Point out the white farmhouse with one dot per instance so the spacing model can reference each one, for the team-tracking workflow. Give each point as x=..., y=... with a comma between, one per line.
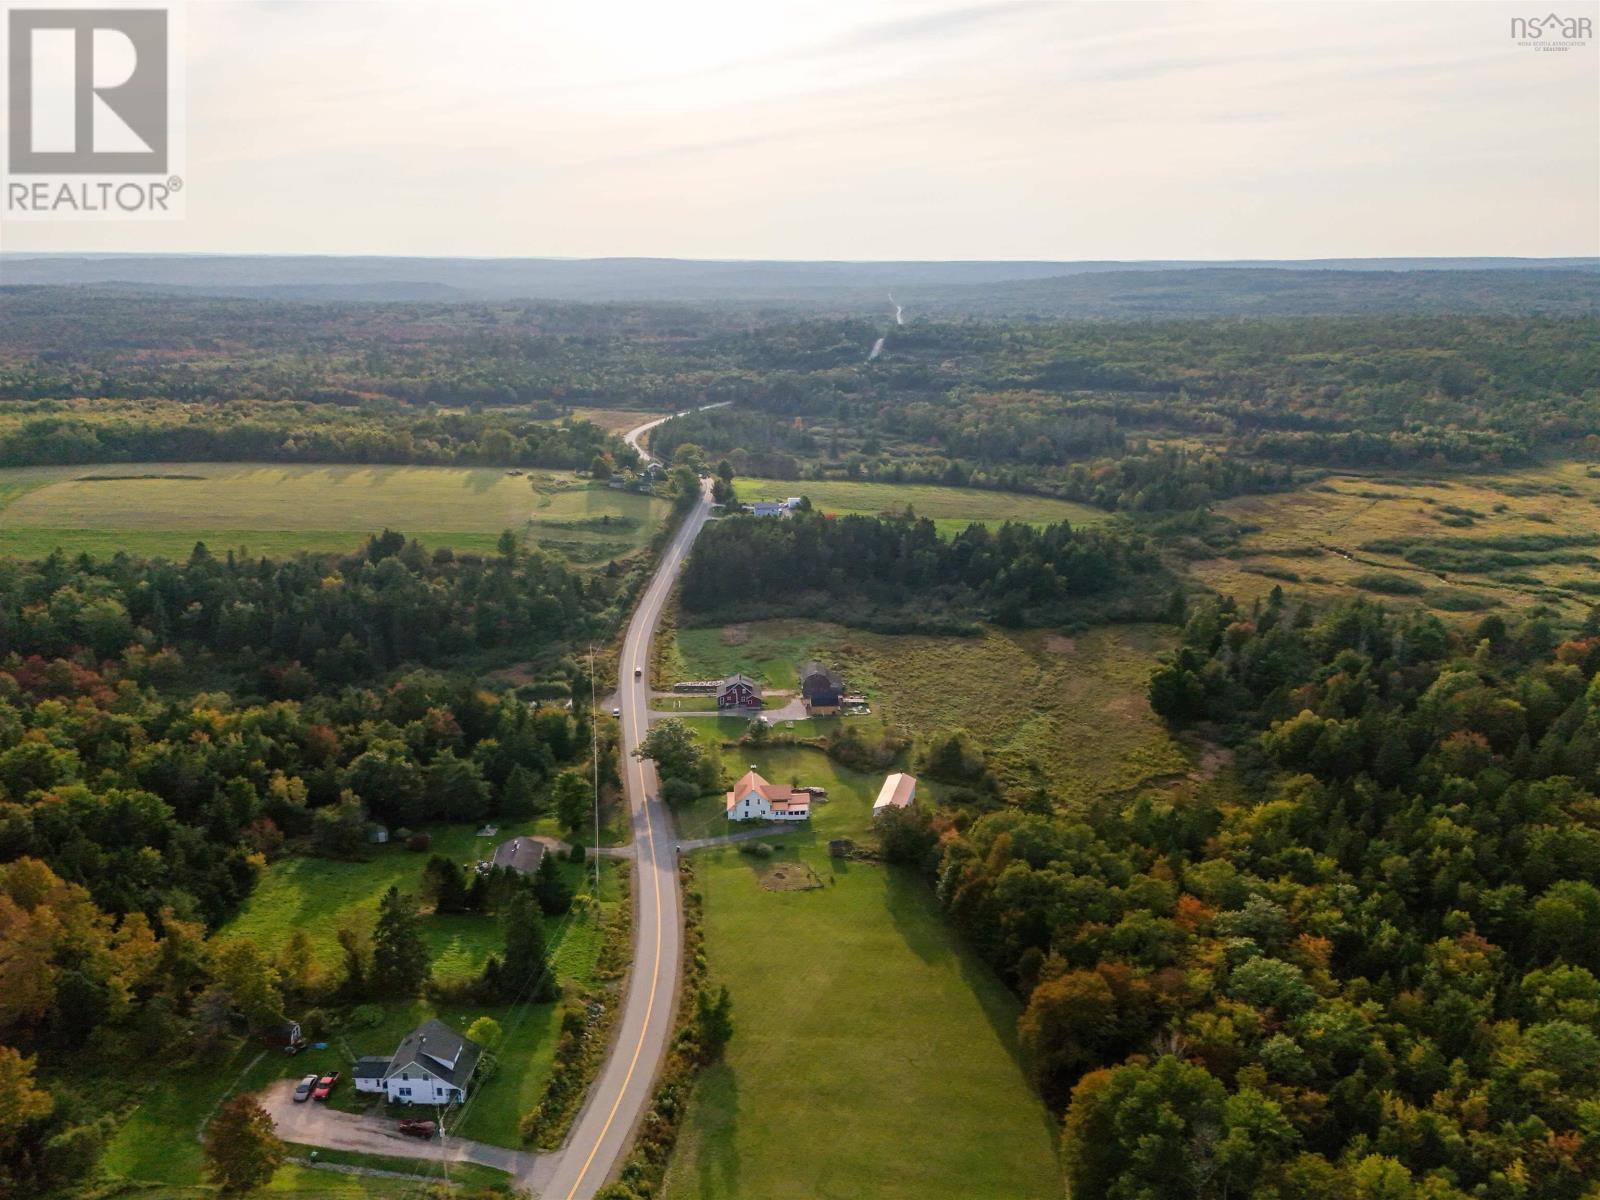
x=754, y=799
x=433, y=1065
x=898, y=791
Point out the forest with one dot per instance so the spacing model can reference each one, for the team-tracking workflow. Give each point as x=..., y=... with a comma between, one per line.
x=167, y=728
x=897, y=575
x=1370, y=971
x=1161, y=417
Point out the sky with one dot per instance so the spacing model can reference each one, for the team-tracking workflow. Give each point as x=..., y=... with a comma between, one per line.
x=876, y=129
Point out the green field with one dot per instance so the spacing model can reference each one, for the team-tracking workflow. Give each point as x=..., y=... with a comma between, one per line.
x=951, y=509
x=1070, y=713
x=164, y=508
x=873, y=1055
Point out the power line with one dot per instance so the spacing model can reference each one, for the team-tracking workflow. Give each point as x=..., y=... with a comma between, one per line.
x=594, y=750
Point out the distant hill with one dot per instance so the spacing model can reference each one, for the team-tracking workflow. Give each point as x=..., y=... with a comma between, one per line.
x=1045, y=289
x=1254, y=291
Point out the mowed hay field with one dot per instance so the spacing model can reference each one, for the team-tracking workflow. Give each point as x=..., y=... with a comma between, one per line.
x=873, y=1055
x=1461, y=544
x=164, y=508
x=951, y=509
x=1070, y=713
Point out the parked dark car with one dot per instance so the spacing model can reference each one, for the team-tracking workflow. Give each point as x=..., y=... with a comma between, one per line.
x=303, y=1089
x=325, y=1085
x=419, y=1129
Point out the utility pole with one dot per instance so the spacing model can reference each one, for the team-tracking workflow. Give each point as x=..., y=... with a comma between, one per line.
x=594, y=751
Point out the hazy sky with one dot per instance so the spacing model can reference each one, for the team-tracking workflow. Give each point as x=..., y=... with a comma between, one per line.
x=872, y=129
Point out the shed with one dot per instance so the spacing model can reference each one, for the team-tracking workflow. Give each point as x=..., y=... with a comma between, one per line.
x=898, y=791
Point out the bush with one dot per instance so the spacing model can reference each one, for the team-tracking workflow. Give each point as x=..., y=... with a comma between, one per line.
x=1387, y=584
x=677, y=792
x=365, y=1016
x=756, y=849
x=1453, y=600
x=418, y=842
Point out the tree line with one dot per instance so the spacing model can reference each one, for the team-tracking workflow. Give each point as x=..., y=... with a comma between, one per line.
x=897, y=573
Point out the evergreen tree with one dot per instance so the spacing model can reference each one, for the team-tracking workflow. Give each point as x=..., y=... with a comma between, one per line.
x=574, y=796
x=520, y=796
x=552, y=891
x=442, y=880
x=526, y=972
x=400, y=959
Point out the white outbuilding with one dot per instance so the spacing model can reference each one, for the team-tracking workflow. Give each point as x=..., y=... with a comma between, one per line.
x=898, y=791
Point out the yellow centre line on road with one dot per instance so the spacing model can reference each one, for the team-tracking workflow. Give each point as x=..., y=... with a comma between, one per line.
x=655, y=975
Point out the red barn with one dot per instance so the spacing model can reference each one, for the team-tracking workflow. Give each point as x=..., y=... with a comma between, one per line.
x=738, y=691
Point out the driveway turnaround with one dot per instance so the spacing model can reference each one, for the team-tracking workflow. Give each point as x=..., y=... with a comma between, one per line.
x=313, y=1124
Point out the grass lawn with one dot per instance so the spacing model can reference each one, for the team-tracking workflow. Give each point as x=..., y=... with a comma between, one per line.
x=951, y=509
x=1314, y=540
x=433, y=1172
x=319, y=895
x=846, y=813
x=1070, y=712
x=492, y=1109
x=164, y=508
x=872, y=1054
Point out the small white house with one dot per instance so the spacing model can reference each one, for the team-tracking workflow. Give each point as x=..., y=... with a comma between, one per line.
x=433, y=1065
x=898, y=791
x=775, y=508
x=754, y=799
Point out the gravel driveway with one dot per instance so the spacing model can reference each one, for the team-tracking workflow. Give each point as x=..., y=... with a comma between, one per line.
x=313, y=1124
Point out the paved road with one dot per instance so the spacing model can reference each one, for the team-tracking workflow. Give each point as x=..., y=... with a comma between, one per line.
x=604, y=1127
x=633, y=435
